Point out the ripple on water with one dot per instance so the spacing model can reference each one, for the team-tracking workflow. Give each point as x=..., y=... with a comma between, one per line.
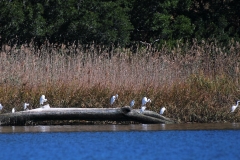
x=114, y=143
x=182, y=141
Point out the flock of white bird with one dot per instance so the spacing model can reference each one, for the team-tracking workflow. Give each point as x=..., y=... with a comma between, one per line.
x=145, y=100
x=25, y=105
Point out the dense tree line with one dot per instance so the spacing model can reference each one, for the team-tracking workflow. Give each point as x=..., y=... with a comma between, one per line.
x=118, y=22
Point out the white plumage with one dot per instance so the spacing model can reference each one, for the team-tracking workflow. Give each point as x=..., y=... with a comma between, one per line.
x=145, y=100
x=47, y=106
x=162, y=110
x=1, y=107
x=234, y=107
x=42, y=99
x=13, y=110
x=132, y=103
x=113, y=98
x=25, y=106
x=143, y=108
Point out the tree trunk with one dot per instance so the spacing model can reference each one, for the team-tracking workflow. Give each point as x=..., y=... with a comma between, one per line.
x=89, y=114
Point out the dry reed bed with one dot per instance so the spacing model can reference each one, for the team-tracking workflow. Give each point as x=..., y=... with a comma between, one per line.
x=196, y=83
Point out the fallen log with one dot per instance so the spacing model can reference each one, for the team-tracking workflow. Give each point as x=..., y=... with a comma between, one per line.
x=89, y=114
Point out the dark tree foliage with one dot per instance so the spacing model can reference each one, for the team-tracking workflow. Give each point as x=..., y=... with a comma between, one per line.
x=85, y=21
x=215, y=19
x=117, y=22
x=165, y=20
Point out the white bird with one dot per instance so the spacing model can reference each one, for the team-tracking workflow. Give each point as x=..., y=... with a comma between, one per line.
x=162, y=110
x=13, y=110
x=1, y=107
x=42, y=99
x=143, y=108
x=46, y=106
x=145, y=100
x=113, y=98
x=25, y=106
x=132, y=103
x=234, y=107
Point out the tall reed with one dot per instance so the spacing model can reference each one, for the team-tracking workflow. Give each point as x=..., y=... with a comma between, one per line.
x=196, y=83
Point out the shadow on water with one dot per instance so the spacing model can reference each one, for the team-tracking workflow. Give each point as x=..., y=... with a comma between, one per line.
x=112, y=128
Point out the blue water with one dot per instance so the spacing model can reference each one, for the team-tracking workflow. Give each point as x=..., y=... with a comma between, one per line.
x=185, y=144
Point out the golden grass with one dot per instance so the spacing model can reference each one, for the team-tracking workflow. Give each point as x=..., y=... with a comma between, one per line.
x=196, y=83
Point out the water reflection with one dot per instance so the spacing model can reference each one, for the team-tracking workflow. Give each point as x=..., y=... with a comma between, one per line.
x=45, y=128
x=131, y=127
x=145, y=127
x=139, y=142
x=13, y=128
x=114, y=128
x=237, y=125
x=163, y=126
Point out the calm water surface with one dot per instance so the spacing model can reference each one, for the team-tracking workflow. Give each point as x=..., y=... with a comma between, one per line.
x=180, y=141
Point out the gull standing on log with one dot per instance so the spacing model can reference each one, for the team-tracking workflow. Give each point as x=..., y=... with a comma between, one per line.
x=13, y=110
x=113, y=98
x=132, y=103
x=234, y=107
x=25, y=106
x=1, y=107
x=144, y=102
x=162, y=110
x=42, y=100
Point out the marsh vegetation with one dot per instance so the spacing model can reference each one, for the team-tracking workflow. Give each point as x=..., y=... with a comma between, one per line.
x=196, y=82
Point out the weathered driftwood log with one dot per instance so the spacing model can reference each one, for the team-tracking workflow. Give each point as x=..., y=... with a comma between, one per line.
x=89, y=114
